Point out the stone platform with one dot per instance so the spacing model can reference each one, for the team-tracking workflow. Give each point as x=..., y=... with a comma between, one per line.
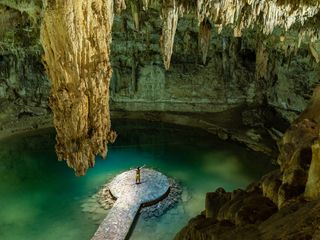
x=130, y=197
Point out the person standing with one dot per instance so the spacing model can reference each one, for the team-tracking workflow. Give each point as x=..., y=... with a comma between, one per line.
x=138, y=174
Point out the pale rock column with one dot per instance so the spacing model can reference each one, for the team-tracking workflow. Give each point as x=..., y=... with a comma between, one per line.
x=76, y=37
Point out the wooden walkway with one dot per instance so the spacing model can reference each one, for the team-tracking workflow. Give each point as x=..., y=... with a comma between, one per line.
x=130, y=197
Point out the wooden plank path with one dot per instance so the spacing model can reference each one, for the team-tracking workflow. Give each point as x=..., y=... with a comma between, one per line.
x=130, y=197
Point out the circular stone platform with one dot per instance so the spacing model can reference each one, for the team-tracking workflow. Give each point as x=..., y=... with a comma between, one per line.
x=154, y=185
x=130, y=196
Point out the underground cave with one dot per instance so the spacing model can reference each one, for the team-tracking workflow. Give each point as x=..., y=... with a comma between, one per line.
x=159, y=119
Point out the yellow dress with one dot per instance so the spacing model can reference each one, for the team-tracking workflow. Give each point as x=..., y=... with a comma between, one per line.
x=138, y=175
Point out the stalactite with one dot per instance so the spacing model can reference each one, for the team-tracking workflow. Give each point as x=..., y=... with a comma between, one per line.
x=76, y=37
x=135, y=11
x=119, y=5
x=204, y=39
x=314, y=52
x=266, y=14
x=238, y=14
x=169, y=15
x=262, y=59
x=145, y=4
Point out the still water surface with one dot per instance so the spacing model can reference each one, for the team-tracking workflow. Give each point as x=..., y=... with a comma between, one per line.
x=41, y=199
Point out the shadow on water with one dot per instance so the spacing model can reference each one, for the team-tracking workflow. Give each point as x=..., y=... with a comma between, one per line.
x=41, y=198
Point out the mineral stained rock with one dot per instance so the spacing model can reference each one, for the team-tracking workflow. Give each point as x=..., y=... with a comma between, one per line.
x=169, y=15
x=312, y=190
x=119, y=5
x=239, y=15
x=245, y=14
x=76, y=37
x=254, y=67
x=299, y=155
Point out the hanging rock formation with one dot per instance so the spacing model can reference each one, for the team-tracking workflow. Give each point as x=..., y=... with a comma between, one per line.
x=169, y=15
x=76, y=37
x=76, y=42
x=239, y=15
x=204, y=39
x=119, y=5
x=268, y=14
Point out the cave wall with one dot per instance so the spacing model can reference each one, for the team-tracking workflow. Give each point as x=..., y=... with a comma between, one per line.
x=277, y=72
x=230, y=77
x=252, y=70
x=23, y=81
x=24, y=88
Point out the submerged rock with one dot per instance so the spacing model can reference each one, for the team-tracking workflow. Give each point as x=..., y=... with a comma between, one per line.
x=171, y=201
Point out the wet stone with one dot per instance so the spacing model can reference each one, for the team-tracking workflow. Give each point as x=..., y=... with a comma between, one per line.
x=129, y=198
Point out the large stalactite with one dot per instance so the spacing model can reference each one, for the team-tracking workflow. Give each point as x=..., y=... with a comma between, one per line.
x=76, y=37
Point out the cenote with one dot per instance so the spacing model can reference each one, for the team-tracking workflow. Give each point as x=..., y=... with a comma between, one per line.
x=41, y=198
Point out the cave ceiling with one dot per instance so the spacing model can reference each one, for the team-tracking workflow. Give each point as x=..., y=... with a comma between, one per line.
x=75, y=36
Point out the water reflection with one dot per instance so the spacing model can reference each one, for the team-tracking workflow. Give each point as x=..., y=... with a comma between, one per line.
x=41, y=198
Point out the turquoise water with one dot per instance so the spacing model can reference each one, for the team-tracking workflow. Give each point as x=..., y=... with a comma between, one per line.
x=41, y=198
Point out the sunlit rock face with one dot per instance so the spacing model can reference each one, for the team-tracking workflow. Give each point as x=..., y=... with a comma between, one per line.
x=76, y=38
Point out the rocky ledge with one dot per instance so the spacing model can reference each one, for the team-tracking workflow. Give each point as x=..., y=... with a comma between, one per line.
x=258, y=138
x=103, y=200
x=248, y=215
x=284, y=204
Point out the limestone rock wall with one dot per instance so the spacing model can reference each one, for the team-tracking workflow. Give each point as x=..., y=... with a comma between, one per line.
x=195, y=58
x=24, y=88
x=252, y=69
x=22, y=81
x=212, y=68
x=299, y=155
x=266, y=209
